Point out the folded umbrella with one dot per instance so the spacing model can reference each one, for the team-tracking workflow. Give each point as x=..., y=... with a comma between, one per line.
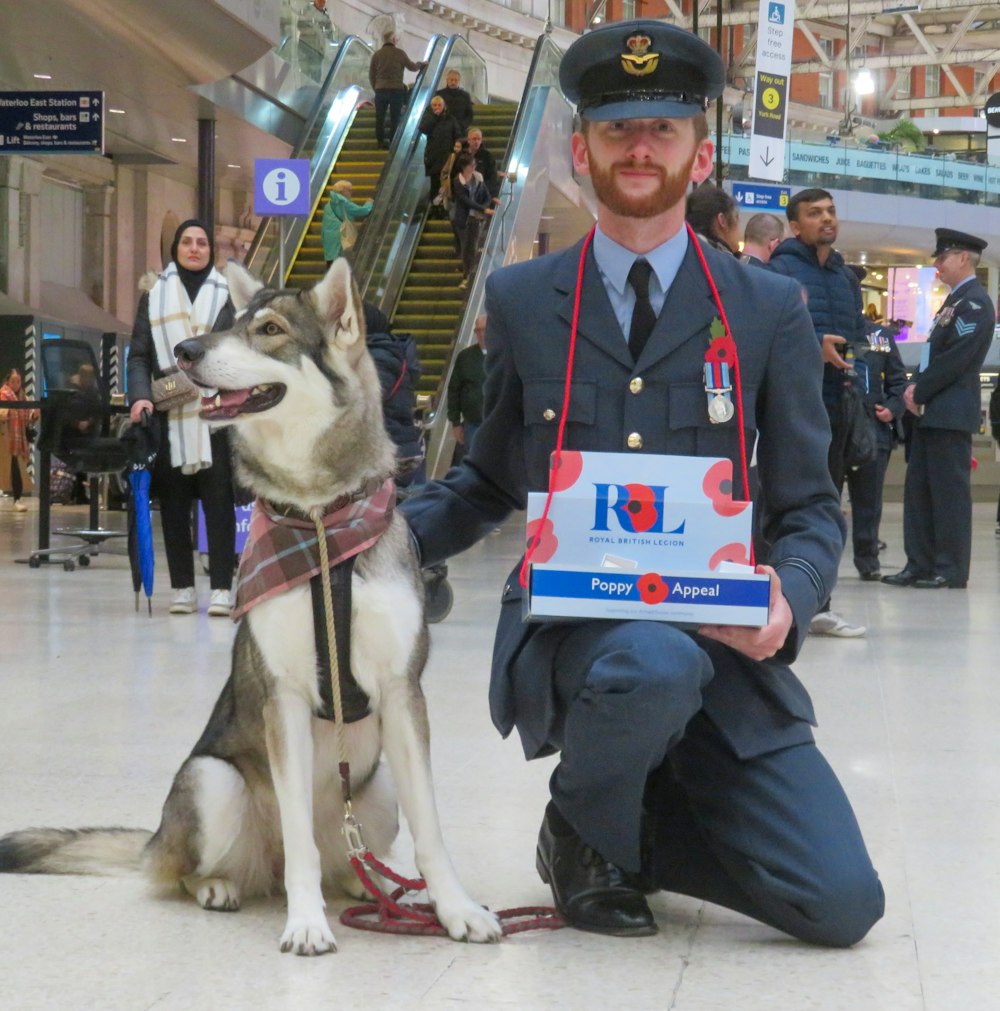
x=142, y=441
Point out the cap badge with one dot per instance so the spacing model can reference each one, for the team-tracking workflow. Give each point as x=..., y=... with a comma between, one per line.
x=638, y=62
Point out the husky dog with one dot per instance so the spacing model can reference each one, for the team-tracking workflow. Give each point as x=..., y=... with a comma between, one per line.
x=260, y=792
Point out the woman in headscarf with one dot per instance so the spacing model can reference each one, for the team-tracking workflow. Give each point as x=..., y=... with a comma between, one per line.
x=340, y=208
x=17, y=438
x=189, y=298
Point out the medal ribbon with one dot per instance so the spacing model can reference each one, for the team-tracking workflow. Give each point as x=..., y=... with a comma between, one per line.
x=733, y=366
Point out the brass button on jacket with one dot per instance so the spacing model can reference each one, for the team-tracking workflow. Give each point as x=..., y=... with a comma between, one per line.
x=548, y=414
x=636, y=385
x=634, y=441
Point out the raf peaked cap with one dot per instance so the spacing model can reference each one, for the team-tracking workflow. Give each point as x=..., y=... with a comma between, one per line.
x=948, y=239
x=641, y=70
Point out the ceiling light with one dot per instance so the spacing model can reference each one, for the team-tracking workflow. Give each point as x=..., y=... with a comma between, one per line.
x=231, y=165
x=179, y=140
x=42, y=77
x=864, y=83
x=117, y=112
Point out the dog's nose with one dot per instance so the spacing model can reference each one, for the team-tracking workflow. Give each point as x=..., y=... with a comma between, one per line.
x=189, y=352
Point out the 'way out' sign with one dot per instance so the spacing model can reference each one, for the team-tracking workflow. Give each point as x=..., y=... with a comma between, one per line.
x=770, y=100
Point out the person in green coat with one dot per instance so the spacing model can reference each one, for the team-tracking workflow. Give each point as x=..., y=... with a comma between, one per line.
x=340, y=208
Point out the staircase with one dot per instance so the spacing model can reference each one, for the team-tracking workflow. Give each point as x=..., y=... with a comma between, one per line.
x=431, y=304
x=361, y=161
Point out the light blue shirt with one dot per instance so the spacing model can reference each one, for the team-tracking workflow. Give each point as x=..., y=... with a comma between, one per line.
x=615, y=261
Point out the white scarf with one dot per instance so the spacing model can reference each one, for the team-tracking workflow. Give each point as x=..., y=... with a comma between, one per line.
x=172, y=318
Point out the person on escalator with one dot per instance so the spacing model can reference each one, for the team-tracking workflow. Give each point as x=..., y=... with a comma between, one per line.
x=473, y=205
x=441, y=130
x=458, y=100
x=341, y=208
x=385, y=74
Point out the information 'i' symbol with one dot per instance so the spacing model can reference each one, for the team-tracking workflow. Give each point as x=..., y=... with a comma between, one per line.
x=281, y=186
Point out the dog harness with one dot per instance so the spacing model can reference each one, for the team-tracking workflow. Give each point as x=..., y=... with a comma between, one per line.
x=283, y=551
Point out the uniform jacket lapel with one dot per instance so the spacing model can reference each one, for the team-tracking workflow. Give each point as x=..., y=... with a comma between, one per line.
x=687, y=312
x=597, y=323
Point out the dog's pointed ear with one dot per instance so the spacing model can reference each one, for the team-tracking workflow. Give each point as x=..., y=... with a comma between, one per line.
x=338, y=304
x=242, y=284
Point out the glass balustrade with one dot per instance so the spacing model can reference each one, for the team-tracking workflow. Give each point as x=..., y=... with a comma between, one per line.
x=838, y=165
x=345, y=88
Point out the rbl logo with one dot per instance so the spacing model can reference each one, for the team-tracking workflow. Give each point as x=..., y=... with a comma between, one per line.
x=637, y=508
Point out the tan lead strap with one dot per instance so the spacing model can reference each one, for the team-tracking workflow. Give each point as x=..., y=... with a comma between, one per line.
x=331, y=644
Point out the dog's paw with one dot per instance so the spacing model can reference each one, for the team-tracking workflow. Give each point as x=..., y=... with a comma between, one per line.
x=466, y=921
x=302, y=938
x=218, y=894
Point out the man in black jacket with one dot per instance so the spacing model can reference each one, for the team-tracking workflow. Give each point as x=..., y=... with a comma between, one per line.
x=881, y=377
x=458, y=100
x=486, y=164
x=833, y=297
x=945, y=397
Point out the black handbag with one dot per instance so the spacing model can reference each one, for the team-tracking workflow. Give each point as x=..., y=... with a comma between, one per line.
x=860, y=438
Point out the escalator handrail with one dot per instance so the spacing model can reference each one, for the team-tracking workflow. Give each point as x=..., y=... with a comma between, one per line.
x=404, y=158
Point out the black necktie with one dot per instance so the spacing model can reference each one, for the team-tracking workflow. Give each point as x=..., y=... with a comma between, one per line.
x=643, y=316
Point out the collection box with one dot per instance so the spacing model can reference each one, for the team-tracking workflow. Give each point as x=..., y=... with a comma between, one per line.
x=644, y=536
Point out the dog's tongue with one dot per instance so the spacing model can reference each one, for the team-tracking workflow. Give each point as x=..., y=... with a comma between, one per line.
x=226, y=399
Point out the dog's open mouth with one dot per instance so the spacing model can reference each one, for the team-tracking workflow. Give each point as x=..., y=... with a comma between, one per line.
x=230, y=403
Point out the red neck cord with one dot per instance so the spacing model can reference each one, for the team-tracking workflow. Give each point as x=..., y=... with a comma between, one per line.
x=735, y=368
x=557, y=455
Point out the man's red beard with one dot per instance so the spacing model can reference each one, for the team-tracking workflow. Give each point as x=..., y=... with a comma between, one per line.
x=672, y=190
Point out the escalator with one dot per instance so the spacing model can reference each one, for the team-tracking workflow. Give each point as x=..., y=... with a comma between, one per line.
x=431, y=304
x=361, y=161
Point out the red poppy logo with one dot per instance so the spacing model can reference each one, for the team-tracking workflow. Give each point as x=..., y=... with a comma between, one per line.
x=547, y=540
x=641, y=507
x=718, y=489
x=563, y=473
x=736, y=552
x=652, y=588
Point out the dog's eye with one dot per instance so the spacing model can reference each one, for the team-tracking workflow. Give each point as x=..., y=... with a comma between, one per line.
x=272, y=329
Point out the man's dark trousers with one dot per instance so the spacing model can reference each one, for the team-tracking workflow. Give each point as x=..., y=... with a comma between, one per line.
x=391, y=100
x=937, y=520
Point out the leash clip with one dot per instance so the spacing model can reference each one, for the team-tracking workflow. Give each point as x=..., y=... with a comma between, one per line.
x=352, y=833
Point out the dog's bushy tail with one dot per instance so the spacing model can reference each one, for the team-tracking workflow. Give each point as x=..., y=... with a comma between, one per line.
x=72, y=851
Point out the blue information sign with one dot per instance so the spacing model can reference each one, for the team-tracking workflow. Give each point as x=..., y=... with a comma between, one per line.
x=755, y=197
x=52, y=122
x=281, y=186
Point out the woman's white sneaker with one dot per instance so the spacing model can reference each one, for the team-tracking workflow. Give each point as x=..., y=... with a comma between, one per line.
x=221, y=604
x=185, y=601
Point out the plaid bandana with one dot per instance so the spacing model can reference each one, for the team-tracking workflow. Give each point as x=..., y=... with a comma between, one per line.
x=283, y=551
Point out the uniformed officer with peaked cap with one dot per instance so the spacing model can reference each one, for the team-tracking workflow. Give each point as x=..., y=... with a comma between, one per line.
x=945, y=397
x=949, y=239
x=686, y=762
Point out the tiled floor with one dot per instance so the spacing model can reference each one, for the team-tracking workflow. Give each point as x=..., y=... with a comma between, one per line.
x=99, y=705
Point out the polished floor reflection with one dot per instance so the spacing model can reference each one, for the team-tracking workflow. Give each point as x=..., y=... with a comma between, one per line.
x=99, y=705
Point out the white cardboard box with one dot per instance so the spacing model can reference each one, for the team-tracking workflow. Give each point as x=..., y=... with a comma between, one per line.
x=642, y=536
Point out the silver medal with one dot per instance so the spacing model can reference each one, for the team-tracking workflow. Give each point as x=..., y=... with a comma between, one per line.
x=720, y=409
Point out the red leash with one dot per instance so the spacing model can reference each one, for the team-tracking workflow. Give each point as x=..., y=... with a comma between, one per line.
x=387, y=915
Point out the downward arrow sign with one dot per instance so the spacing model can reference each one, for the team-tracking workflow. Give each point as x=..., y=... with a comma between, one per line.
x=766, y=156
